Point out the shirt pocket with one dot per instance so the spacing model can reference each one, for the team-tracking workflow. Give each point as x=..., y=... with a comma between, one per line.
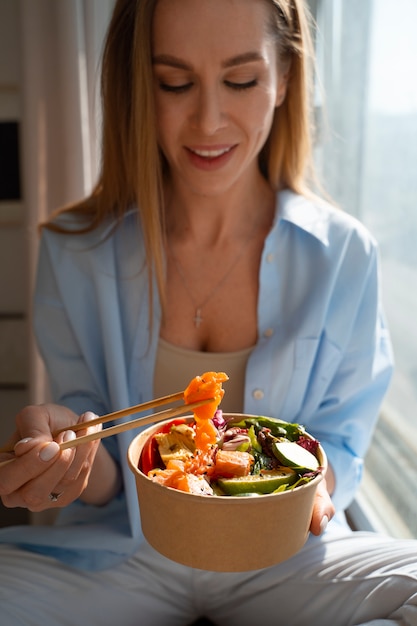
x=315, y=361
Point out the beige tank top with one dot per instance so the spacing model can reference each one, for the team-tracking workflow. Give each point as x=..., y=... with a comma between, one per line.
x=176, y=367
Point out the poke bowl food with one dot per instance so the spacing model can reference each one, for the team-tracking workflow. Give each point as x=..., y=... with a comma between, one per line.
x=225, y=492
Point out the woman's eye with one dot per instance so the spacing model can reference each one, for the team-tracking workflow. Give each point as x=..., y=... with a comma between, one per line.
x=174, y=88
x=177, y=89
x=240, y=86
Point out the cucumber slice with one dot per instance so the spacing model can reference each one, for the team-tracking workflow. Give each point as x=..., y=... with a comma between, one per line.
x=292, y=455
x=265, y=482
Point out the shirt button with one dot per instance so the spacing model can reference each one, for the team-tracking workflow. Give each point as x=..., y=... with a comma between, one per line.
x=269, y=332
x=269, y=257
x=258, y=394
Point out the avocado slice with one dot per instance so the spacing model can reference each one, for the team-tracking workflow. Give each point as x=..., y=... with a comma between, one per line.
x=265, y=482
x=290, y=454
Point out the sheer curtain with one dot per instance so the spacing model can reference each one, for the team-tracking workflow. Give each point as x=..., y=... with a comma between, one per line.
x=61, y=45
x=367, y=62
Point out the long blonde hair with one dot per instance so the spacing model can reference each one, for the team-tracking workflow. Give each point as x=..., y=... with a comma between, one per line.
x=132, y=167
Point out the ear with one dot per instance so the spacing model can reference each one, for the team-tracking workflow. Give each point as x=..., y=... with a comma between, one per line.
x=284, y=71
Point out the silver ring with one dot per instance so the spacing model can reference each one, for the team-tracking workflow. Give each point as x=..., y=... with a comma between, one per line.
x=54, y=496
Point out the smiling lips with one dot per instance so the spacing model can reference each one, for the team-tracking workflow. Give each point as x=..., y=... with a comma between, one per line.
x=211, y=153
x=210, y=156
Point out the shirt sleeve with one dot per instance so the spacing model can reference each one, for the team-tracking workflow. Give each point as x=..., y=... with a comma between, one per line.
x=73, y=382
x=324, y=357
x=346, y=415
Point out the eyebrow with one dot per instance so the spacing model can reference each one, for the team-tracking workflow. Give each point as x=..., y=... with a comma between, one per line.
x=173, y=61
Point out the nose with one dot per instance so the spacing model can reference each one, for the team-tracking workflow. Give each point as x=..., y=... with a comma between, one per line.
x=209, y=115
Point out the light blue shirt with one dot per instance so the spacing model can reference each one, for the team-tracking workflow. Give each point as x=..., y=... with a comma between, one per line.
x=323, y=356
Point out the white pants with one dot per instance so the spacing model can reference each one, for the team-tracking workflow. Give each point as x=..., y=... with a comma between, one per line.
x=358, y=578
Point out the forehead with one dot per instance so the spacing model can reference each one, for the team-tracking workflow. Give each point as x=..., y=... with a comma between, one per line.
x=215, y=27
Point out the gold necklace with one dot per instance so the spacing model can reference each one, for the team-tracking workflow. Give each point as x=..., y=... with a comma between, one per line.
x=197, y=319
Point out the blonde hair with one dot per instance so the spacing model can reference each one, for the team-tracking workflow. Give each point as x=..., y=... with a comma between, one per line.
x=132, y=166
x=287, y=155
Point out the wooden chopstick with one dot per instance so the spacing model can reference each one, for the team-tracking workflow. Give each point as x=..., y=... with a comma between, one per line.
x=110, y=417
x=140, y=421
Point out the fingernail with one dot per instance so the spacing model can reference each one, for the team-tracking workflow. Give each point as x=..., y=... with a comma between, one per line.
x=25, y=440
x=69, y=435
x=88, y=416
x=49, y=451
x=323, y=523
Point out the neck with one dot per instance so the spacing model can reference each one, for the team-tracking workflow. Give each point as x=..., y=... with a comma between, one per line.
x=212, y=221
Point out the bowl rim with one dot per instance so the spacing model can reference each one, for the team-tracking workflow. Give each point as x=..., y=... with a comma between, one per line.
x=244, y=498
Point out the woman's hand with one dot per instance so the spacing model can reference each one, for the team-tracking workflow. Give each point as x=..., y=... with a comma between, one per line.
x=41, y=475
x=323, y=509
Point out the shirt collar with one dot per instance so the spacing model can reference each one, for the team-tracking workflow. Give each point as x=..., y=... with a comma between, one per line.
x=310, y=215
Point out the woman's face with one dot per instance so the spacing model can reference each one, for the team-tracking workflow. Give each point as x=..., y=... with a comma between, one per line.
x=217, y=83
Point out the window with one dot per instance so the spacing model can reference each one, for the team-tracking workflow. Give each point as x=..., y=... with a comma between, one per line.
x=367, y=60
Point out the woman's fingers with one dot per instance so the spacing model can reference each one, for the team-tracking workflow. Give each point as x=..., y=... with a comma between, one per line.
x=40, y=421
x=323, y=509
x=37, y=466
x=41, y=474
x=84, y=454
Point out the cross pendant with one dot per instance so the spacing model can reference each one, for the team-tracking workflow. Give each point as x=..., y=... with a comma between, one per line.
x=197, y=318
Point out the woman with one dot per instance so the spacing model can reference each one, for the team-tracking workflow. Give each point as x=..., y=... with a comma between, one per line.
x=201, y=248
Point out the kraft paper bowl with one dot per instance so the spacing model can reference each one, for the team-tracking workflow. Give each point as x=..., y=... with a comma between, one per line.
x=223, y=534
